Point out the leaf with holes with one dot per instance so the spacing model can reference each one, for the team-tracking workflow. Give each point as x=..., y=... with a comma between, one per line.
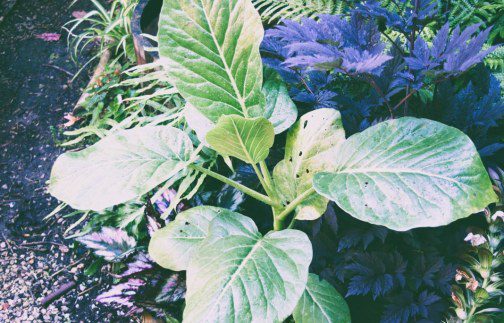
x=243, y=138
x=280, y=110
x=309, y=149
x=120, y=167
x=172, y=246
x=210, y=50
x=408, y=173
x=321, y=303
x=239, y=275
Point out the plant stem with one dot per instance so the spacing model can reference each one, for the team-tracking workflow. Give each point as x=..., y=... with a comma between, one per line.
x=261, y=197
x=261, y=178
x=266, y=173
x=280, y=218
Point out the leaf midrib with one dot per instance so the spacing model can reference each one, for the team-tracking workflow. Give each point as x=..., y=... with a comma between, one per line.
x=242, y=265
x=396, y=171
x=244, y=147
x=226, y=67
x=318, y=304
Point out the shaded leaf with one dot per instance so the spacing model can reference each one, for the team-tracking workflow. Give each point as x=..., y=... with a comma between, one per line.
x=321, y=302
x=279, y=109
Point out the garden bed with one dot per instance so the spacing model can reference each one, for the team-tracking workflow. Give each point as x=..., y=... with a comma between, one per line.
x=347, y=166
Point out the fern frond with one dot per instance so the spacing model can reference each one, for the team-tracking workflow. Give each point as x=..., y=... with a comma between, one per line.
x=274, y=10
x=495, y=60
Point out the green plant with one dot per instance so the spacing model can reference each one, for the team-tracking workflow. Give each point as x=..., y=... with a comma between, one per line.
x=401, y=173
x=123, y=98
x=477, y=295
x=109, y=28
x=274, y=10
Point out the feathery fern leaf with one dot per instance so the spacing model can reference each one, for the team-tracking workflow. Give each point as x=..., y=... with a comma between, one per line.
x=274, y=10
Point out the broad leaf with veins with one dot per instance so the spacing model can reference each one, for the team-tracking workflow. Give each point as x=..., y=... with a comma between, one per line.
x=321, y=303
x=238, y=275
x=120, y=167
x=210, y=50
x=172, y=246
x=408, y=173
x=244, y=138
x=309, y=149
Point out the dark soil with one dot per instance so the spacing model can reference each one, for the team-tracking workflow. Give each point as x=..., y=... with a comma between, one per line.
x=35, y=92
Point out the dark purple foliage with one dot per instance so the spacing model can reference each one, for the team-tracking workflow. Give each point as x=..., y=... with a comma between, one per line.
x=331, y=43
x=450, y=55
x=404, y=306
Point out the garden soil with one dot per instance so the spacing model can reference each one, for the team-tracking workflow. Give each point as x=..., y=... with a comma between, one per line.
x=36, y=90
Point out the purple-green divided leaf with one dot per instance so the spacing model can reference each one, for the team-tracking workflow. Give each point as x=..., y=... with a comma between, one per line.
x=238, y=275
x=172, y=246
x=407, y=173
x=173, y=290
x=210, y=49
x=141, y=262
x=123, y=294
x=321, y=303
x=110, y=243
x=120, y=167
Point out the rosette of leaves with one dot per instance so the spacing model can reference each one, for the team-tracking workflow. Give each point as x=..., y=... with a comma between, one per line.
x=477, y=292
x=402, y=173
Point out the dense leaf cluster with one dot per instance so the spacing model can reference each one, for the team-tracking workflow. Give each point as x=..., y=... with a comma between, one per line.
x=344, y=63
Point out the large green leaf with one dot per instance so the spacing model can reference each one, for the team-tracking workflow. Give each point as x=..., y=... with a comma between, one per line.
x=321, y=303
x=408, y=173
x=309, y=149
x=210, y=49
x=280, y=110
x=119, y=167
x=237, y=275
x=172, y=246
x=243, y=138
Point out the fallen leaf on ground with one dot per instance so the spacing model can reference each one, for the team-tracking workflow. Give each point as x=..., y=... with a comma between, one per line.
x=71, y=120
x=79, y=14
x=49, y=36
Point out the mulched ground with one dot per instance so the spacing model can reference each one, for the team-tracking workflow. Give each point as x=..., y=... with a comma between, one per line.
x=35, y=92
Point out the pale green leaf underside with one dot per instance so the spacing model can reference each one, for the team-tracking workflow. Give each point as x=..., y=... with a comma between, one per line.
x=309, y=149
x=172, y=246
x=120, y=167
x=408, y=173
x=239, y=276
x=244, y=138
x=321, y=303
x=210, y=50
x=280, y=110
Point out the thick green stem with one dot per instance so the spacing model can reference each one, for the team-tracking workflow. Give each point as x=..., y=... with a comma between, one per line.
x=261, y=178
x=261, y=197
x=266, y=173
x=282, y=216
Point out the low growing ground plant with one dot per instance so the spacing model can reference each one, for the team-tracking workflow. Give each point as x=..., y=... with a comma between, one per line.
x=402, y=173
